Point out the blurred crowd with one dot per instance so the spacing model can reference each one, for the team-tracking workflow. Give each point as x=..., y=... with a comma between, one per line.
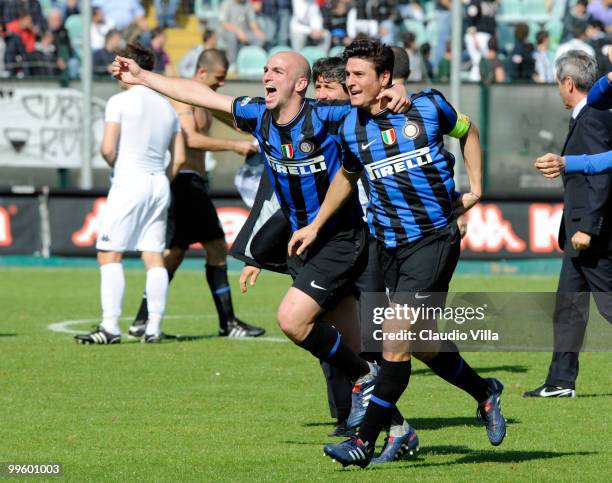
x=503, y=40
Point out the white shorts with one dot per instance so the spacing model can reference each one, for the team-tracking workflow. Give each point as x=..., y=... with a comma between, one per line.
x=135, y=215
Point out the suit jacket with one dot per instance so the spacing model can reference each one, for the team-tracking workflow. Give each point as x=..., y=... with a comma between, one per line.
x=588, y=199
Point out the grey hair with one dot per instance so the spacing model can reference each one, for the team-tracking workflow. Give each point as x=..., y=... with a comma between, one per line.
x=579, y=66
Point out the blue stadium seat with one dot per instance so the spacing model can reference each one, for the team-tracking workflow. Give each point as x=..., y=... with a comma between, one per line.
x=336, y=51
x=279, y=48
x=207, y=10
x=555, y=30
x=313, y=54
x=534, y=7
x=250, y=61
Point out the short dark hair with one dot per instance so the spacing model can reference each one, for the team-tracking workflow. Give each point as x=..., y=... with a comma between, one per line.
x=401, y=63
x=492, y=44
x=156, y=31
x=541, y=36
x=210, y=58
x=330, y=68
x=110, y=33
x=22, y=13
x=380, y=54
x=597, y=24
x=521, y=31
x=143, y=56
x=207, y=34
x=584, y=3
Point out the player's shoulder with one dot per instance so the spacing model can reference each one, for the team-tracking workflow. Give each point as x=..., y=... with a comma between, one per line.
x=603, y=116
x=426, y=96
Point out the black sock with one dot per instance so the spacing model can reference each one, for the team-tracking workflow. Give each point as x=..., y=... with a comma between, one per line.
x=391, y=382
x=324, y=342
x=143, y=311
x=216, y=276
x=450, y=366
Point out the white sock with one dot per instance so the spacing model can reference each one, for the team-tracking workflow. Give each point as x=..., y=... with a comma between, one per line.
x=112, y=286
x=157, y=292
x=399, y=429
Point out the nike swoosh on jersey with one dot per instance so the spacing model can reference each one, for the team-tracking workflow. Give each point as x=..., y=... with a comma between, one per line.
x=314, y=285
x=419, y=296
x=366, y=146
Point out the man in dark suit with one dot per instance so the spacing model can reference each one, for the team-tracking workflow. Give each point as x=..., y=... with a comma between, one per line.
x=586, y=227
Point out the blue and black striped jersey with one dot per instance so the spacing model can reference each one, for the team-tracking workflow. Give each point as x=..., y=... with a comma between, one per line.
x=302, y=156
x=409, y=172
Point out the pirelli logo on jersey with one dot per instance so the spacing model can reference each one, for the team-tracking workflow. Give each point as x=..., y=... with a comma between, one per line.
x=300, y=167
x=399, y=163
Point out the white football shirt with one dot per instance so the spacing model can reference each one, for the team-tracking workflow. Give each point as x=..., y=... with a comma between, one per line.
x=148, y=123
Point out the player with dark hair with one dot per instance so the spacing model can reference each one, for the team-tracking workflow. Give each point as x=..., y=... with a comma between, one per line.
x=411, y=214
x=192, y=217
x=140, y=127
x=298, y=138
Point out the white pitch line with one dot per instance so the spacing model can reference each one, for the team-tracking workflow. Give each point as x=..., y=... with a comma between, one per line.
x=65, y=327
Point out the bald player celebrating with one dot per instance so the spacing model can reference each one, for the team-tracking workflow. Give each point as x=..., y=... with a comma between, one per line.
x=299, y=139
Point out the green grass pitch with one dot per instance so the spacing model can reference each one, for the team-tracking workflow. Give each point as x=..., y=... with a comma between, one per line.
x=210, y=409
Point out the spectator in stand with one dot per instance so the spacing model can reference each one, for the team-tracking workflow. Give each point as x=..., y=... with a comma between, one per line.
x=443, y=72
x=544, y=73
x=63, y=48
x=122, y=12
x=187, y=65
x=162, y=59
x=239, y=27
x=99, y=28
x=69, y=7
x=601, y=10
x=575, y=18
x=600, y=41
x=481, y=27
x=360, y=20
x=23, y=27
x=522, y=63
x=579, y=42
x=45, y=61
x=12, y=8
x=334, y=19
x=425, y=51
x=104, y=57
x=165, y=10
x=443, y=19
x=306, y=26
x=386, y=12
x=491, y=67
x=276, y=15
x=416, y=63
x=137, y=32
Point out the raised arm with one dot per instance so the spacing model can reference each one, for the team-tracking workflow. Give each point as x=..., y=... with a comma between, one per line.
x=339, y=191
x=182, y=90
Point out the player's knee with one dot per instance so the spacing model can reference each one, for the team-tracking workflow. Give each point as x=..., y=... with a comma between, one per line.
x=290, y=323
x=216, y=252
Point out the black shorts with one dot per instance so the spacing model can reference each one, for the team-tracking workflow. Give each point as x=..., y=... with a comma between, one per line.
x=426, y=265
x=192, y=217
x=328, y=269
